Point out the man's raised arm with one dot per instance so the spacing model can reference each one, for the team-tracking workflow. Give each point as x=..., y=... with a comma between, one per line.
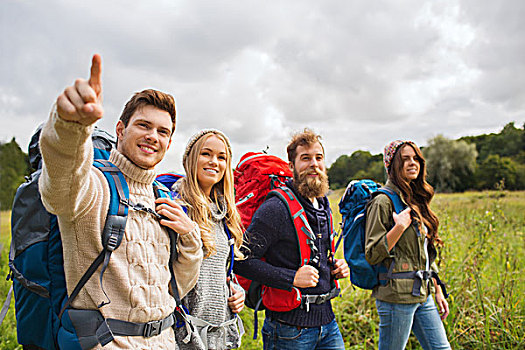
x=66, y=146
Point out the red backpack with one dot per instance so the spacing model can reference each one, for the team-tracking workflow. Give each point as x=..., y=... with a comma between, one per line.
x=259, y=176
x=256, y=174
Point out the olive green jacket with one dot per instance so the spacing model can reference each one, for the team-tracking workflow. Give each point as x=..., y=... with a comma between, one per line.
x=408, y=254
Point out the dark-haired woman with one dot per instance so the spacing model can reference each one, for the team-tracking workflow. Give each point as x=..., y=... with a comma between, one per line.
x=404, y=244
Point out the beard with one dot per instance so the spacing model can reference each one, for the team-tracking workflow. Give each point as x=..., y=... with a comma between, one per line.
x=311, y=187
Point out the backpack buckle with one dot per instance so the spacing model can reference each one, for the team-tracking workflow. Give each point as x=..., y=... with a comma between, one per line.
x=315, y=261
x=307, y=304
x=112, y=242
x=152, y=328
x=423, y=275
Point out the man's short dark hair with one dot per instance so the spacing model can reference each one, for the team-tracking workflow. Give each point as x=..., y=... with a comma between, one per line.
x=149, y=97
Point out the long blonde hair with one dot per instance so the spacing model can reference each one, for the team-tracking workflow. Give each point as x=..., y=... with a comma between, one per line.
x=197, y=201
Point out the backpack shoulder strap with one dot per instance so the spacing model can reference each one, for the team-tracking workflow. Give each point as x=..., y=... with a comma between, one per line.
x=117, y=214
x=304, y=233
x=118, y=207
x=113, y=228
x=161, y=191
x=333, y=232
x=398, y=204
x=231, y=243
x=333, y=247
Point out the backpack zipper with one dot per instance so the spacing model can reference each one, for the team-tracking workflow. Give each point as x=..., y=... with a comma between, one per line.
x=245, y=198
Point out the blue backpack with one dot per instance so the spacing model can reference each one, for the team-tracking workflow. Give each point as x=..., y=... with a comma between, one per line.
x=43, y=315
x=353, y=213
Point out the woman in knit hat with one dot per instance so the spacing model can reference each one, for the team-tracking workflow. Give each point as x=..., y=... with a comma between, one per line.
x=208, y=194
x=404, y=245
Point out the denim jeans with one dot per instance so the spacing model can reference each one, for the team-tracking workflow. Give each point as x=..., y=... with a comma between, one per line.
x=284, y=337
x=396, y=321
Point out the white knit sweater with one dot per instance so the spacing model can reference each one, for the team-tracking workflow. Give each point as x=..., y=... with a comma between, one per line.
x=138, y=276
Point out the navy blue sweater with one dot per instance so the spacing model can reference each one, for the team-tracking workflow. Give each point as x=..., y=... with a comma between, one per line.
x=271, y=235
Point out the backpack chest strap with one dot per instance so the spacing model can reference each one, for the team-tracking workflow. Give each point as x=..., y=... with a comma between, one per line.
x=206, y=326
x=308, y=299
x=147, y=329
x=418, y=276
x=93, y=329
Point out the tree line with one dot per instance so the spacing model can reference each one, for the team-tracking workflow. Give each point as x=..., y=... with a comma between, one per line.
x=14, y=166
x=488, y=161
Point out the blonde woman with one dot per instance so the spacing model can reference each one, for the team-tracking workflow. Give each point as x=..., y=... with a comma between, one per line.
x=208, y=194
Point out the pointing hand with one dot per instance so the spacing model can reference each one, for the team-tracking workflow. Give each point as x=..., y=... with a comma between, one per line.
x=82, y=102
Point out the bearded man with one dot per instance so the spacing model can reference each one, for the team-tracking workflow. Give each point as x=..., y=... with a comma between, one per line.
x=272, y=254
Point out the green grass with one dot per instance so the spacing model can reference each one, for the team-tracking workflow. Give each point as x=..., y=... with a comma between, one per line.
x=482, y=263
x=8, y=327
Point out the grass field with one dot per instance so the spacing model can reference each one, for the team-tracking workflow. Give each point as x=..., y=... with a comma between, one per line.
x=8, y=327
x=482, y=263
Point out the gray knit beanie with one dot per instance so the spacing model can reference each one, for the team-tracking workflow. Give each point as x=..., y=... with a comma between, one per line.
x=200, y=134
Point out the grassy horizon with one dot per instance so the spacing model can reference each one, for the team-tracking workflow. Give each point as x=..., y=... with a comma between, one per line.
x=482, y=263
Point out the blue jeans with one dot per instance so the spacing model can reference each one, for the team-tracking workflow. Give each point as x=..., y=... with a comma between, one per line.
x=396, y=321
x=284, y=337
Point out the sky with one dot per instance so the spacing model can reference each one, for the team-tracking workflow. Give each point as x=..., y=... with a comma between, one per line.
x=360, y=73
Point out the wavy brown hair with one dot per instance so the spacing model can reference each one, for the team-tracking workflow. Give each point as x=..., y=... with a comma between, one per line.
x=198, y=203
x=304, y=138
x=417, y=193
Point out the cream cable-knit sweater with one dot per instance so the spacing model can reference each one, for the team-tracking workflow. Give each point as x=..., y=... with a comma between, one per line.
x=138, y=276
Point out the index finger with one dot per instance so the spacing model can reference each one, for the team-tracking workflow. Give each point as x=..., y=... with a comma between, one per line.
x=95, y=78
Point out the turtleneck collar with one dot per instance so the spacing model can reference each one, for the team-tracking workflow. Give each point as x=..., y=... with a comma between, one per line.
x=218, y=211
x=130, y=170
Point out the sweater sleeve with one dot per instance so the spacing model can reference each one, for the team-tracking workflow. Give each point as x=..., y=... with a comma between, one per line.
x=378, y=221
x=67, y=184
x=188, y=263
x=262, y=235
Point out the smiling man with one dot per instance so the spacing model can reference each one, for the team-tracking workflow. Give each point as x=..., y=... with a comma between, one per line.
x=137, y=278
x=271, y=235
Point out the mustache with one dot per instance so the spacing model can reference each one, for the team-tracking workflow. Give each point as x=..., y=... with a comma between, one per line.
x=314, y=171
x=311, y=187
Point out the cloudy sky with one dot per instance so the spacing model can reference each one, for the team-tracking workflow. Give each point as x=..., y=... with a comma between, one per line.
x=360, y=72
